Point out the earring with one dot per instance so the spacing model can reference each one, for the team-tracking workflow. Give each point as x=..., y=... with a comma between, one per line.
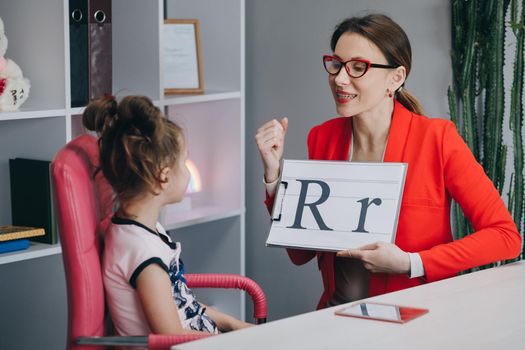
x=389, y=93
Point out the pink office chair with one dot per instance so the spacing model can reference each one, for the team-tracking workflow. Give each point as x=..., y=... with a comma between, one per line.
x=84, y=208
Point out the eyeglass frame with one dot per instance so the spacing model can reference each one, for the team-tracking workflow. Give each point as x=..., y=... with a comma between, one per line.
x=343, y=64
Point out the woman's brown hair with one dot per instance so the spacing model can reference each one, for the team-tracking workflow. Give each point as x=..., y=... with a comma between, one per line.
x=393, y=42
x=136, y=142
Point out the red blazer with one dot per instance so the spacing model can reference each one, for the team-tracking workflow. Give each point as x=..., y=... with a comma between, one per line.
x=440, y=167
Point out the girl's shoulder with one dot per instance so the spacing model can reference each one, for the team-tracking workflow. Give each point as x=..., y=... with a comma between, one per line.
x=128, y=234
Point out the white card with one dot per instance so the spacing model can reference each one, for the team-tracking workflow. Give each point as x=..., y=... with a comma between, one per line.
x=335, y=205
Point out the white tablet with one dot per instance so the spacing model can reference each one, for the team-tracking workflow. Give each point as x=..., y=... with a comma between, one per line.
x=381, y=312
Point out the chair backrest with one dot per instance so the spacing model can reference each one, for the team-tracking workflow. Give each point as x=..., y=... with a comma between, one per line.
x=83, y=205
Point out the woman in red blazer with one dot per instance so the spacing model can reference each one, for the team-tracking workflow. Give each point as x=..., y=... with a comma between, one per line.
x=381, y=122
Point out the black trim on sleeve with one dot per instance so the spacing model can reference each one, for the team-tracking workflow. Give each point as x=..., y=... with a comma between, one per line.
x=138, y=270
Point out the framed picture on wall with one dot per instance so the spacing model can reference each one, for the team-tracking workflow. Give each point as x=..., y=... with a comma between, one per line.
x=182, y=57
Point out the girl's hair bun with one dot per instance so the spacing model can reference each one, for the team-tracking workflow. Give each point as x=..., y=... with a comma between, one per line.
x=99, y=114
x=137, y=115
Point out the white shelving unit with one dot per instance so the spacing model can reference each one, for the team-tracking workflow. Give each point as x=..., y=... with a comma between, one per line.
x=212, y=232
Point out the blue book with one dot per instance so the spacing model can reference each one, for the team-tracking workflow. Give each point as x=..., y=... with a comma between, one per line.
x=17, y=244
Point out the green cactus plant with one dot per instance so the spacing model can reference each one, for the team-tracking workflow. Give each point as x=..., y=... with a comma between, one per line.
x=477, y=95
x=516, y=117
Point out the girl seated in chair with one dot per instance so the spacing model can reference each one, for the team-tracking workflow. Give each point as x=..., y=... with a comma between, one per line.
x=142, y=155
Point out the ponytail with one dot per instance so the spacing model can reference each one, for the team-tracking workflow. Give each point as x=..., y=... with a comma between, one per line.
x=409, y=101
x=136, y=141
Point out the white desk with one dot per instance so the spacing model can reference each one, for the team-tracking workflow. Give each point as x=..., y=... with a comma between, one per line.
x=481, y=310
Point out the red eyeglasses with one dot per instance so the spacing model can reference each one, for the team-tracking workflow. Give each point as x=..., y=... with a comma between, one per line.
x=355, y=68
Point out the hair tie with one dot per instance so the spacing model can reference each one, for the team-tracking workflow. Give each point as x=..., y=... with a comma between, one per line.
x=109, y=96
x=399, y=90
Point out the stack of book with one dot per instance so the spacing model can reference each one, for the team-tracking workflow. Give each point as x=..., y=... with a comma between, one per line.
x=16, y=237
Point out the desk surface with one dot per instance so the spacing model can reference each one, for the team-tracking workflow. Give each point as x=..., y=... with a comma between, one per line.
x=481, y=310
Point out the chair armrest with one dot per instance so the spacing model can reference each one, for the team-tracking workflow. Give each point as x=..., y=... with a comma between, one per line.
x=229, y=281
x=114, y=341
x=164, y=342
x=152, y=341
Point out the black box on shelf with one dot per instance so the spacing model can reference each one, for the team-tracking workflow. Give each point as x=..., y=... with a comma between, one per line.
x=32, y=197
x=78, y=51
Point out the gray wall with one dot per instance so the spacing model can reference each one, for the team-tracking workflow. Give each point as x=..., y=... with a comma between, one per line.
x=284, y=77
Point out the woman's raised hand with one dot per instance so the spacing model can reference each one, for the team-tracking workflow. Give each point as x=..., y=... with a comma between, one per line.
x=270, y=142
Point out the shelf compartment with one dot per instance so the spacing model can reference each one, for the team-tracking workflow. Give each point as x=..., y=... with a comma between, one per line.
x=213, y=137
x=35, y=30
x=27, y=138
x=35, y=250
x=136, y=53
x=221, y=61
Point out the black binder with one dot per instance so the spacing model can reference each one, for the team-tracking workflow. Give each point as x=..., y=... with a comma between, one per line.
x=32, y=197
x=99, y=48
x=90, y=42
x=78, y=45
